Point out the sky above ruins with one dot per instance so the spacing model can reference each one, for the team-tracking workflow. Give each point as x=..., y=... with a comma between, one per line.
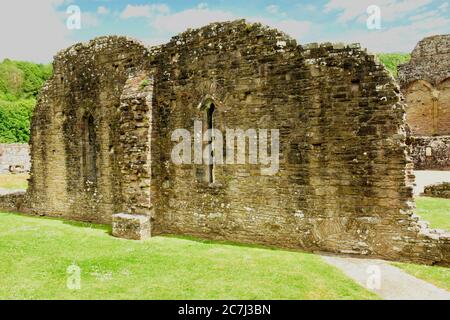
x=36, y=30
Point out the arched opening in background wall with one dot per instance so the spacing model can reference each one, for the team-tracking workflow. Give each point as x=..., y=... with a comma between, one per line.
x=444, y=107
x=421, y=112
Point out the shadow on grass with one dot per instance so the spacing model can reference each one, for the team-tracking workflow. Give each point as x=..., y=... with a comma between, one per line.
x=78, y=224
x=104, y=227
x=194, y=238
x=232, y=243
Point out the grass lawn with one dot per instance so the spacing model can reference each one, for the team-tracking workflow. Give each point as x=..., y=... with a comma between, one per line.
x=439, y=276
x=36, y=252
x=437, y=212
x=434, y=210
x=14, y=181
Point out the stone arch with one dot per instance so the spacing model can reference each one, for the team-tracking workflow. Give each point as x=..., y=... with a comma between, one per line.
x=206, y=102
x=421, y=111
x=209, y=109
x=444, y=106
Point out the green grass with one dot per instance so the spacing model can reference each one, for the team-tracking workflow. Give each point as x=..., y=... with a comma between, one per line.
x=14, y=181
x=437, y=212
x=439, y=276
x=434, y=210
x=36, y=252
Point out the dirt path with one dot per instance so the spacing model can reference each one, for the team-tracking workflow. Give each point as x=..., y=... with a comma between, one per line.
x=387, y=281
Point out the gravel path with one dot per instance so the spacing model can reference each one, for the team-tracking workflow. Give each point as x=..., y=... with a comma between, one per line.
x=387, y=281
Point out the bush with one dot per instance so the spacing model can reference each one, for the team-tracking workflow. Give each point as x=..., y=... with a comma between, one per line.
x=20, y=83
x=15, y=118
x=393, y=60
x=22, y=80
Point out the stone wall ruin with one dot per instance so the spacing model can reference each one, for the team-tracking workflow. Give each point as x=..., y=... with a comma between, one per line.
x=430, y=153
x=439, y=190
x=425, y=83
x=103, y=128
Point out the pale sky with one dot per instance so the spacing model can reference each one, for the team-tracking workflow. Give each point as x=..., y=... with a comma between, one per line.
x=35, y=30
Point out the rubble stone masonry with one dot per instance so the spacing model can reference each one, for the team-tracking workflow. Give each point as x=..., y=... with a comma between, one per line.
x=439, y=190
x=101, y=143
x=430, y=153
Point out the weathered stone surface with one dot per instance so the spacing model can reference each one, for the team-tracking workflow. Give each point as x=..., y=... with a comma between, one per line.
x=131, y=226
x=426, y=86
x=12, y=201
x=88, y=153
x=430, y=153
x=425, y=82
x=14, y=158
x=101, y=142
x=440, y=190
x=430, y=61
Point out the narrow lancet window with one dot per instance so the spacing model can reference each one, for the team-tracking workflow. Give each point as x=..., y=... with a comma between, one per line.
x=89, y=144
x=210, y=123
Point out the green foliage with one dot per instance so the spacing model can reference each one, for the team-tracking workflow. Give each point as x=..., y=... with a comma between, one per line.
x=434, y=210
x=22, y=80
x=144, y=83
x=15, y=120
x=20, y=83
x=393, y=60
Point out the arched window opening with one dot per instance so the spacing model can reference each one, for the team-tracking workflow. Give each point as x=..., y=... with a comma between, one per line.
x=210, y=123
x=89, y=154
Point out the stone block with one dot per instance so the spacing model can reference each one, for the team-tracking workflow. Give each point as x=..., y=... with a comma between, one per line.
x=131, y=226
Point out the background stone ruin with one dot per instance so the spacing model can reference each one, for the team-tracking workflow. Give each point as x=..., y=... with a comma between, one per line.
x=425, y=82
x=14, y=158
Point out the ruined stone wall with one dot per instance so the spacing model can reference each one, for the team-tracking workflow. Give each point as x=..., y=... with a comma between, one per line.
x=440, y=190
x=12, y=201
x=344, y=179
x=87, y=142
x=425, y=82
x=14, y=156
x=430, y=153
x=344, y=183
